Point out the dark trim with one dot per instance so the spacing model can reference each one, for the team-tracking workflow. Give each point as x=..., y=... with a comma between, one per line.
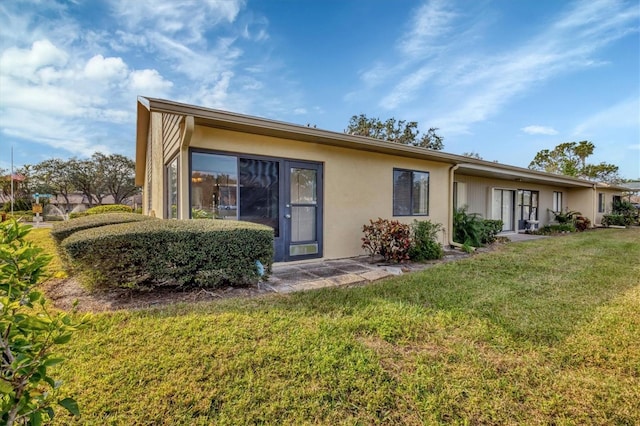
x=319, y=167
x=281, y=249
x=393, y=195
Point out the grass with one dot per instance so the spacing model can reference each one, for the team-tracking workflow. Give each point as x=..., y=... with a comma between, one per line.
x=541, y=332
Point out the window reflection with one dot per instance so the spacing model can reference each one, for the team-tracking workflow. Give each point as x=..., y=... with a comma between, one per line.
x=214, y=182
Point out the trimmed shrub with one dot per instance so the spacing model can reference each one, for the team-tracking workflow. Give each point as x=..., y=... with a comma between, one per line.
x=60, y=231
x=153, y=253
x=556, y=228
x=388, y=238
x=425, y=245
x=109, y=208
x=616, y=220
x=75, y=215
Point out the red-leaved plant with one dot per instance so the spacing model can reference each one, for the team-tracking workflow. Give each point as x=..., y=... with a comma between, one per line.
x=388, y=238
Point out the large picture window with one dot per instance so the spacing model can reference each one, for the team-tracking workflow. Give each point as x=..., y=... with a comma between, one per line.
x=214, y=182
x=410, y=193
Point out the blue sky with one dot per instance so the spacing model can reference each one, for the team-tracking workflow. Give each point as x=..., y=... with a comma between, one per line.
x=501, y=78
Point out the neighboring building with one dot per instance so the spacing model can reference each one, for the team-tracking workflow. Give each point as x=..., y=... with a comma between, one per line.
x=317, y=188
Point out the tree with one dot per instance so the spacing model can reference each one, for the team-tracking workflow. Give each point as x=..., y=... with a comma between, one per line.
x=472, y=154
x=570, y=159
x=54, y=177
x=83, y=175
x=118, y=175
x=392, y=130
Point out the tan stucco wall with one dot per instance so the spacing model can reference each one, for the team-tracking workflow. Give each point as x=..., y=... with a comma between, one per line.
x=608, y=200
x=479, y=196
x=358, y=185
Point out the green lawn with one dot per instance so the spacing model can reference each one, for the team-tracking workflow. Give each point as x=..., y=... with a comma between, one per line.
x=541, y=332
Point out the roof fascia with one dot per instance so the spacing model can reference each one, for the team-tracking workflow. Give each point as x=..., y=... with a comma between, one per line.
x=142, y=135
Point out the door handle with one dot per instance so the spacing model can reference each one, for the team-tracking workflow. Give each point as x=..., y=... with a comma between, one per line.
x=287, y=216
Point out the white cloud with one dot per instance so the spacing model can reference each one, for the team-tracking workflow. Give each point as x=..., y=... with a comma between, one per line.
x=21, y=62
x=539, y=130
x=187, y=19
x=149, y=82
x=101, y=68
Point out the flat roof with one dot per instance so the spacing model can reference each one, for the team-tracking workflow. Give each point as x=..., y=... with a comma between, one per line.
x=261, y=126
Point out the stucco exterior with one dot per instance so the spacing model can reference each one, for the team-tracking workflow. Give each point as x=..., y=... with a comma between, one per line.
x=357, y=174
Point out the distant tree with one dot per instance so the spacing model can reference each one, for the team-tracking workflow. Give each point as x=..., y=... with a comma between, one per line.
x=570, y=159
x=54, y=177
x=118, y=175
x=84, y=178
x=472, y=154
x=392, y=130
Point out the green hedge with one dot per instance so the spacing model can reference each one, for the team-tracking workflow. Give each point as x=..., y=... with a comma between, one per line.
x=109, y=208
x=617, y=220
x=203, y=253
x=60, y=231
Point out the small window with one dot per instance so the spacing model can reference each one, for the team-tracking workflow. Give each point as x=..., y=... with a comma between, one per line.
x=410, y=193
x=601, y=202
x=557, y=201
x=172, y=189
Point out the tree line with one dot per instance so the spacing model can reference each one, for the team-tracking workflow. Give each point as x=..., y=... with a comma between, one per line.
x=95, y=178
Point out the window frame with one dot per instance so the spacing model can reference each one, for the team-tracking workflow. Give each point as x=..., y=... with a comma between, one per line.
x=557, y=201
x=411, y=193
x=601, y=202
x=174, y=162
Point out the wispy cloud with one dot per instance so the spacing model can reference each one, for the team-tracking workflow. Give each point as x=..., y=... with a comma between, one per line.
x=622, y=114
x=539, y=130
x=466, y=88
x=429, y=24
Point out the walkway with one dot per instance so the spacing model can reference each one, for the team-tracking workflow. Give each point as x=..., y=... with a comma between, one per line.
x=288, y=277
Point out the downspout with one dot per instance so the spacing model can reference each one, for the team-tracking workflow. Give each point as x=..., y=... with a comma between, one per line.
x=594, y=205
x=452, y=170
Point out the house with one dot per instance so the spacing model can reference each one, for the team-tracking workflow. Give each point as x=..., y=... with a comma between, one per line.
x=317, y=188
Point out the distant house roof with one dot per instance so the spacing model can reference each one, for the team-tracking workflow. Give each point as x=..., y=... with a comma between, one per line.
x=633, y=186
x=266, y=127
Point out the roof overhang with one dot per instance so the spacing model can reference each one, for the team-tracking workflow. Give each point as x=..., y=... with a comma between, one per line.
x=517, y=174
x=261, y=126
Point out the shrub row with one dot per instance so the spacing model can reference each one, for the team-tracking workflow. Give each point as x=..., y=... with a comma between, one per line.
x=399, y=242
x=152, y=253
x=108, y=208
x=62, y=230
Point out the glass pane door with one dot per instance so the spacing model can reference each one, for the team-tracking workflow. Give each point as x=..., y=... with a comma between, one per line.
x=303, y=210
